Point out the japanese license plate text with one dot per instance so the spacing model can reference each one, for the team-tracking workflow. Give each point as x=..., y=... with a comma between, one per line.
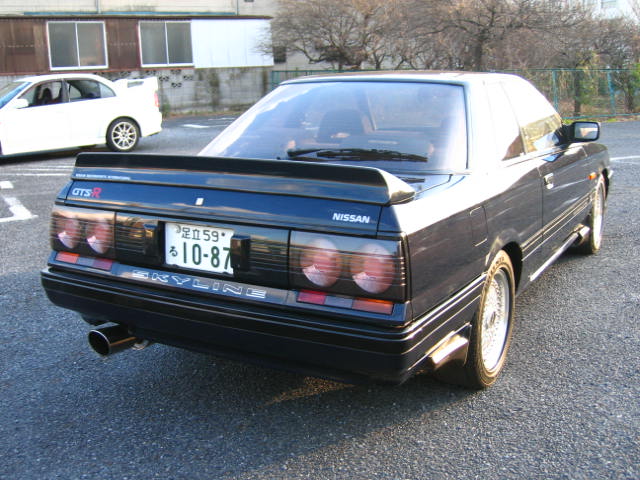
x=198, y=247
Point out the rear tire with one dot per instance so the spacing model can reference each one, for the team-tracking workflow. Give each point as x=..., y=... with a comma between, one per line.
x=491, y=330
x=593, y=241
x=122, y=135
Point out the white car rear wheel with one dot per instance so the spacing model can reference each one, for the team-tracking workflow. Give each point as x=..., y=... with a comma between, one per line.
x=123, y=135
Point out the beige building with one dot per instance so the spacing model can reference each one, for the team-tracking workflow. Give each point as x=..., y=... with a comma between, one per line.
x=206, y=53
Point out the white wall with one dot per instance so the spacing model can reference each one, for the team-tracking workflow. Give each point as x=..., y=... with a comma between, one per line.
x=229, y=43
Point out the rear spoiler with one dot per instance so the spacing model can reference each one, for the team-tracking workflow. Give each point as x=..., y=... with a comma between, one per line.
x=316, y=180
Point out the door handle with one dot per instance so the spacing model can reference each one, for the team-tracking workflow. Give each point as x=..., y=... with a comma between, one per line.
x=548, y=181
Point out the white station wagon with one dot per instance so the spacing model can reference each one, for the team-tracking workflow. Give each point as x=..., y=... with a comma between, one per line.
x=53, y=112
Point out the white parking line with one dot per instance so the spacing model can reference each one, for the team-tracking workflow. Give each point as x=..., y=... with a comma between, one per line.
x=19, y=211
x=46, y=169
x=193, y=125
x=10, y=174
x=6, y=185
x=630, y=160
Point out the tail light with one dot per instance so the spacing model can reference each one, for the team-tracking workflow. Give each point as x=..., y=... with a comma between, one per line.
x=99, y=236
x=373, y=268
x=347, y=266
x=67, y=230
x=82, y=231
x=321, y=262
x=156, y=99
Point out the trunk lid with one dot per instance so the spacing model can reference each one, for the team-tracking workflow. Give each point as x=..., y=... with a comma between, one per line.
x=275, y=193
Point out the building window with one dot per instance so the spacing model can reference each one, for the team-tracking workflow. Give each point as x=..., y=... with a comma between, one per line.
x=279, y=54
x=74, y=45
x=165, y=43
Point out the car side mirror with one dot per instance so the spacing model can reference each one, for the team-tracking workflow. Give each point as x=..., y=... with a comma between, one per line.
x=583, y=131
x=20, y=103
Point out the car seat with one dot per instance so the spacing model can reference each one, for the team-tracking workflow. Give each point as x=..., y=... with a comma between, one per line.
x=338, y=124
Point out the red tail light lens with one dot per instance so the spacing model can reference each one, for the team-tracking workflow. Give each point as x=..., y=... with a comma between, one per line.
x=347, y=266
x=373, y=268
x=99, y=236
x=321, y=262
x=67, y=230
x=82, y=230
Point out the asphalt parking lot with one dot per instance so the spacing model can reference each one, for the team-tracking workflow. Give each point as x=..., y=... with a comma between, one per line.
x=566, y=407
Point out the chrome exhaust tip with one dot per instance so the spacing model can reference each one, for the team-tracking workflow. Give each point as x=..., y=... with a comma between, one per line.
x=116, y=338
x=453, y=348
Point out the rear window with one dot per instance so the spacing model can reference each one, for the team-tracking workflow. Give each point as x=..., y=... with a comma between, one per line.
x=406, y=128
x=88, y=90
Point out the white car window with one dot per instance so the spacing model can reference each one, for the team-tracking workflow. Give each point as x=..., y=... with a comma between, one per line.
x=48, y=93
x=9, y=91
x=88, y=90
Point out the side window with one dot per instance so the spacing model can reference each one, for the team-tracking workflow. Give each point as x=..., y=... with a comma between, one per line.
x=541, y=124
x=507, y=131
x=49, y=93
x=74, y=93
x=88, y=90
x=106, y=92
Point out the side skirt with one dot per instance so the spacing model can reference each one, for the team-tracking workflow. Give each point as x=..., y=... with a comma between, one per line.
x=575, y=236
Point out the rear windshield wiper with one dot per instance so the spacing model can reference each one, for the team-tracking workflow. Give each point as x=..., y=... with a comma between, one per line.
x=354, y=154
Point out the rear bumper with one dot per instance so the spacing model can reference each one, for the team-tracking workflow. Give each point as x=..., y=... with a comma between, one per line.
x=150, y=124
x=309, y=343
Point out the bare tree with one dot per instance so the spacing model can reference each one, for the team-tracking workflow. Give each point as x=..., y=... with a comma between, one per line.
x=453, y=34
x=417, y=37
x=343, y=33
x=618, y=46
x=486, y=25
x=479, y=34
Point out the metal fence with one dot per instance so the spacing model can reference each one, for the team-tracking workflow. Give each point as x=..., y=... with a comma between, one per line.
x=576, y=93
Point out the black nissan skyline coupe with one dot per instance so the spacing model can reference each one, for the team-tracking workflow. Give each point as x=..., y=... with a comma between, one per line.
x=355, y=227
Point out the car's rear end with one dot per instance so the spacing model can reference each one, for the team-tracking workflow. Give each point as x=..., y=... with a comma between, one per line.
x=142, y=101
x=284, y=264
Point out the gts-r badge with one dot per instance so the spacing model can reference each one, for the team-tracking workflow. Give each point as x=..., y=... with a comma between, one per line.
x=86, y=192
x=351, y=218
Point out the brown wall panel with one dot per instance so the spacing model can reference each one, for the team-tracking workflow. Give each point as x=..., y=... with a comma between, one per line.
x=122, y=43
x=23, y=46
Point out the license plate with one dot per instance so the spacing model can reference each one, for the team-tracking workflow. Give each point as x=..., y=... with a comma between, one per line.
x=198, y=247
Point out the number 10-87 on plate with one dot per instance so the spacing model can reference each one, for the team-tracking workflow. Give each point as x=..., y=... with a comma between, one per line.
x=198, y=247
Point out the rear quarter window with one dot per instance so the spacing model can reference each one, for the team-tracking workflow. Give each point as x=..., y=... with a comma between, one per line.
x=506, y=128
x=88, y=90
x=540, y=123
